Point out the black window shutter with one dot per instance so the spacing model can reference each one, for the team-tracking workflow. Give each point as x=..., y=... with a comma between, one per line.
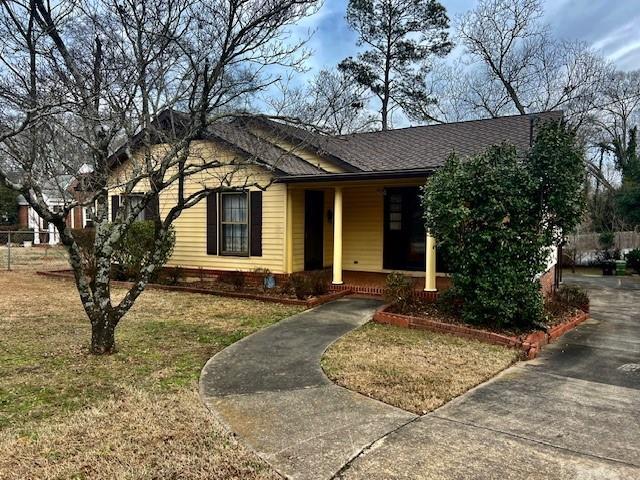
x=256, y=223
x=212, y=224
x=115, y=206
x=152, y=210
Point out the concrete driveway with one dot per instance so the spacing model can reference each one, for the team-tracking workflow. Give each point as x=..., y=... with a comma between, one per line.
x=574, y=413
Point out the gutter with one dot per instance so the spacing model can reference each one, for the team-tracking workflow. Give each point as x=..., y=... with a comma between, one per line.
x=347, y=176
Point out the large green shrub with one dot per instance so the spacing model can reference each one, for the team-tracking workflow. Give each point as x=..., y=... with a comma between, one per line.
x=633, y=259
x=134, y=249
x=8, y=206
x=496, y=214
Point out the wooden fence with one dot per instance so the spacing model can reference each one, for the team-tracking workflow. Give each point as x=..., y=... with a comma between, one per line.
x=583, y=248
x=591, y=241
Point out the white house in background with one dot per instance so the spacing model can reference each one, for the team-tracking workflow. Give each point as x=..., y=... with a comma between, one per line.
x=54, y=195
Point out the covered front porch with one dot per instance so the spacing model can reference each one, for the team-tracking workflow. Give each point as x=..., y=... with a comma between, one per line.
x=373, y=283
x=362, y=231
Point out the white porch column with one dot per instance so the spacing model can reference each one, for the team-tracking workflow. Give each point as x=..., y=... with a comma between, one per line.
x=337, y=236
x=430, y=267
x=289, y=232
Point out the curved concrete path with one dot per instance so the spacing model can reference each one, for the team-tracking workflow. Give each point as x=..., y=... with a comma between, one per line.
x=269, y=389
x=571, y=414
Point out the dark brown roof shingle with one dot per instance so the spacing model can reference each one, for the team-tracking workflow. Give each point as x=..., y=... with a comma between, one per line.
x=421, y=148
x=261, y=150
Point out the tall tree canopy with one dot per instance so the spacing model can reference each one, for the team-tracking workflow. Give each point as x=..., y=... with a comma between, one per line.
x=99, y=83
x=521, y=67
x=399, y=37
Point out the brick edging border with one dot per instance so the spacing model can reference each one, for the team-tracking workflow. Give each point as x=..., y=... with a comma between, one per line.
x=310, y=303
x=530, y=345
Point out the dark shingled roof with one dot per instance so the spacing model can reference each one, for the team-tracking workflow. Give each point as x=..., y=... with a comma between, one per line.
x=261, y=150
x=404, y=151
x=420, y=148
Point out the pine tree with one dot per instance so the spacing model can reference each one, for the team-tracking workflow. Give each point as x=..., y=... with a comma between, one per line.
x=400, y=36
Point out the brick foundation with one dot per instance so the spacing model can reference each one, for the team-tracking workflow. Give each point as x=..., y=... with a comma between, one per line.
x=309, y=303
x=547, y=281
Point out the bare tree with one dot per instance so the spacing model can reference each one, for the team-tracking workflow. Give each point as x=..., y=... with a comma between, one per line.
x=99, y=83
x=331, y=102
x=521, y=68
x=617, y=115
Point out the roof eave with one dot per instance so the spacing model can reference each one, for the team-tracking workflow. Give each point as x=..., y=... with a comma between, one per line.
x=350, y=176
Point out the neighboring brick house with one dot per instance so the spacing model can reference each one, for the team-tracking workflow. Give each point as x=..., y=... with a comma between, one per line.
x=54, y=194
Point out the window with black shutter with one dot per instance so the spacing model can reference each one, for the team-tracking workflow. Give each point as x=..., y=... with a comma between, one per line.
x=212, y=224
x=234, y=223
x=115, y=206
x=256, y=223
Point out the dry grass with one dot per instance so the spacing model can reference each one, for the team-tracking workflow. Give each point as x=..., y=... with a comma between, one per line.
x=137, y=436
x=34, y=258
x=134, y=414
x=415, y=370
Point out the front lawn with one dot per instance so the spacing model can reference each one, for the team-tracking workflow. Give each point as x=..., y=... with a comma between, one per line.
x=135, y=414
x=414, y=370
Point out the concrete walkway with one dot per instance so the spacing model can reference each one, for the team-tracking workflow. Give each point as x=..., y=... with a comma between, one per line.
x=574, y=413
x=270, y=390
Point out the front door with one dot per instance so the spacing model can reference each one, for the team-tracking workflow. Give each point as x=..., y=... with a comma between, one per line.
x=404, y=234
x=313, y=229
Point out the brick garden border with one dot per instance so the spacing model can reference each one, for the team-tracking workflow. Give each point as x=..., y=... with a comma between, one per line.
x=530, y=345
x=309, y=303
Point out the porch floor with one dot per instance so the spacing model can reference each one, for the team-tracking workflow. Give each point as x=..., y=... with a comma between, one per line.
x=373, y=283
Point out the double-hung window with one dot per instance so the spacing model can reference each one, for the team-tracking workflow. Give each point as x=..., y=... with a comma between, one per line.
x=234, y=223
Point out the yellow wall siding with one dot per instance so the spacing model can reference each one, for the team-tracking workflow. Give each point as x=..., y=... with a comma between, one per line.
x=362, y=230
x=190, y=250
x=298, y=230
x=363, y=217
x=298, y=196
x=191, y=237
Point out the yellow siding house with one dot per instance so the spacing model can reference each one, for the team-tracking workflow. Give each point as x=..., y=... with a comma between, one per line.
x=311, y=201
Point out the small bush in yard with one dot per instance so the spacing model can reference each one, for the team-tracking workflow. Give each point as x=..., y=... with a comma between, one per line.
x=399, y=291
x=573, y=296
x=633, y=260
x=319, y=282
x=173, y=275
x=235, y=279
x=301, y=285
x=132, y=251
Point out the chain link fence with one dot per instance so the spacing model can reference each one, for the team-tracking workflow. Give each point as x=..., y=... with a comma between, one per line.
x=20, y=250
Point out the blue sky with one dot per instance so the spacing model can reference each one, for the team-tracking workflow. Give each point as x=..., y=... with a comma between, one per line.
x=612, y=26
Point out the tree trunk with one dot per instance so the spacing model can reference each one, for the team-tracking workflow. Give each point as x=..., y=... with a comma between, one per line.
x=103, y=340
